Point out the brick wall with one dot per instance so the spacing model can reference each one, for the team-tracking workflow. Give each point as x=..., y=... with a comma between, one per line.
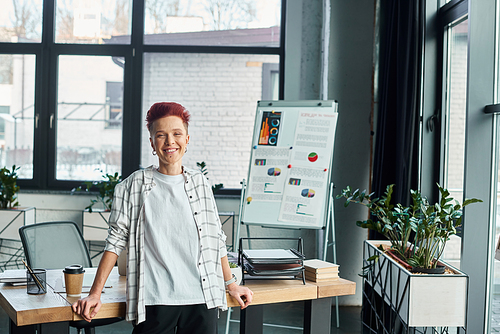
x=457, y=106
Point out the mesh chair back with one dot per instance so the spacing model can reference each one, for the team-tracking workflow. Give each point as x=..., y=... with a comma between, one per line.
x=54, y=245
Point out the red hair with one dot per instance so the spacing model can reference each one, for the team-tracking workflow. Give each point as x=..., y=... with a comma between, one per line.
x=164, y=109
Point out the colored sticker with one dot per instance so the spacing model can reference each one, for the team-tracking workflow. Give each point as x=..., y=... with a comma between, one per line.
x=312, y=157
x=274, y=172
x=308, y=193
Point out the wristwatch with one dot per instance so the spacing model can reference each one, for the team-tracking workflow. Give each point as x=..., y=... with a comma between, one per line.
x=232, y=280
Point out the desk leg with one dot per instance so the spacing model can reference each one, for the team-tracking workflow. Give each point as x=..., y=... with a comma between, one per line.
x=318, y=316
x=54, y=327
x=50, y=328
x=252, y=320
x=14, y=329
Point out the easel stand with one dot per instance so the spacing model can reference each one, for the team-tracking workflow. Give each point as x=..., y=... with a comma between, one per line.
x=330, y=225
x=329, y=228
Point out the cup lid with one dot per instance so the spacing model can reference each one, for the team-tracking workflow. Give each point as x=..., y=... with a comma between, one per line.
x=74, y=269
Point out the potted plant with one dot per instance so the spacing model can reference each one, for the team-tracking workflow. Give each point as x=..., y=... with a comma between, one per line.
x=8, y=188
x=416, y=235
x=430, y=224
x=95, y=220
x=12, y=217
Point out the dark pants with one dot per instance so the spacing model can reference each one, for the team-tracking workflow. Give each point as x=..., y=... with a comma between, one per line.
x=187, y=319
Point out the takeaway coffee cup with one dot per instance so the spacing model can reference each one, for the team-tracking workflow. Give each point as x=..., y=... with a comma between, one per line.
x=73, y=278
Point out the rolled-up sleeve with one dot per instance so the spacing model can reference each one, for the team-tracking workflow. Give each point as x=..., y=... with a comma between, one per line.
x=119, y=221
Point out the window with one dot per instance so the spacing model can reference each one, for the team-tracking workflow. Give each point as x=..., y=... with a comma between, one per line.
x=83, y=111
x=452, y=92
x=17, y=112
x=21, y=21
x=470, y=49
x=92, y=21
x=86, y=80
x=270, y=81
x=187, y=23
x=455, y=105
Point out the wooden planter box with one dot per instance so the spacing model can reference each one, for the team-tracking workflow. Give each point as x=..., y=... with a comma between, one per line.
x=419, y=300
x=12, y=219
x=95, y=225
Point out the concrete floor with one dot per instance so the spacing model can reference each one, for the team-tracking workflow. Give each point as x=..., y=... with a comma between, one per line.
x=288, y=316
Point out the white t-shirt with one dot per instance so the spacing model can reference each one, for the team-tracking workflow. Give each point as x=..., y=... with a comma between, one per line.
x=171, y=245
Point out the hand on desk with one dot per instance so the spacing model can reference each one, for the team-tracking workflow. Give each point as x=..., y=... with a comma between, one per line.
x=83, y=307
x=236, y=291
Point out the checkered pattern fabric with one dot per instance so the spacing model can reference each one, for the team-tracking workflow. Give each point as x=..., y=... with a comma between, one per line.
x=127, y=230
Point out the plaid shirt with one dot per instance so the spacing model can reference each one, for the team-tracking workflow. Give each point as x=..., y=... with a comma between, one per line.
x=127, y=230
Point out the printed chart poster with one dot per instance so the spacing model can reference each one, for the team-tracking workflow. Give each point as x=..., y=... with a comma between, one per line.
x=267, y=178
x=270, y=128
x=314, y=137
x=304, y=195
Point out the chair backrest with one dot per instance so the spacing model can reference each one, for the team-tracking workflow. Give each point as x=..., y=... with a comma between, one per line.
x=54, y=245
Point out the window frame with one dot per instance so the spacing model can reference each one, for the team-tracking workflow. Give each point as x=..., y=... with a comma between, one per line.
x=433, y=111
x=47, y=53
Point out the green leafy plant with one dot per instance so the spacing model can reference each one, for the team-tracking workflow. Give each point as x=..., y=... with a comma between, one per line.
x=232, y=265
x=105, y=188
x=202, y=166
x=8, y=187
x=431, y=224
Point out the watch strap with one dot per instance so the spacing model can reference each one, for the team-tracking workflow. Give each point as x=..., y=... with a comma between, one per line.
x=232, y=280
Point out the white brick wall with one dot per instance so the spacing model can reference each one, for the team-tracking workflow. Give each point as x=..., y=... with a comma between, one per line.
x=457, y=98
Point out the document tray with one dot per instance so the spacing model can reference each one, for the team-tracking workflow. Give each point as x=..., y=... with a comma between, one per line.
x=272, y=263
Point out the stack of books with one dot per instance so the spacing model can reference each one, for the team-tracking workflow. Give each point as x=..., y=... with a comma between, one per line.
x=321, y=271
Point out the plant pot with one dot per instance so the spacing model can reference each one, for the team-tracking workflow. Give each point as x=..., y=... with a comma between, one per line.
x=10, y=222
x=397, y=259
x=237, y=273
x=434, y=300
x=12, y=219
x=95, y=225
x=438, y=270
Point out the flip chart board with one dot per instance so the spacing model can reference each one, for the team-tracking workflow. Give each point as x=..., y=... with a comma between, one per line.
x=290, y=164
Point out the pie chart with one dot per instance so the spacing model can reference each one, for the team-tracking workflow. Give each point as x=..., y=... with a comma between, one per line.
x=308, y=193
x=273, y=171
x=312, y=157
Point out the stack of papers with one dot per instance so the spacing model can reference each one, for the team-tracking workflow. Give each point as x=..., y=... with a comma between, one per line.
x=321, y=271
x=271, y=256
x=273, y=262
x=13, y=277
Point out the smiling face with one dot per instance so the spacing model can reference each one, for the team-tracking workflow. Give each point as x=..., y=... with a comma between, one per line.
x=169, y=138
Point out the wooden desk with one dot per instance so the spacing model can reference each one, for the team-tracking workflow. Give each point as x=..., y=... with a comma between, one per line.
x=53, y=313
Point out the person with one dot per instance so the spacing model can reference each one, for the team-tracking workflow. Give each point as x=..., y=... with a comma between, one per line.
x=167, y=219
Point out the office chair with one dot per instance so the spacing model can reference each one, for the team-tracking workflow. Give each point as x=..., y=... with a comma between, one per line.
x=55, y=245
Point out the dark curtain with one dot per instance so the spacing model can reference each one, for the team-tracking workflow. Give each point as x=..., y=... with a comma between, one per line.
x=396, y=138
